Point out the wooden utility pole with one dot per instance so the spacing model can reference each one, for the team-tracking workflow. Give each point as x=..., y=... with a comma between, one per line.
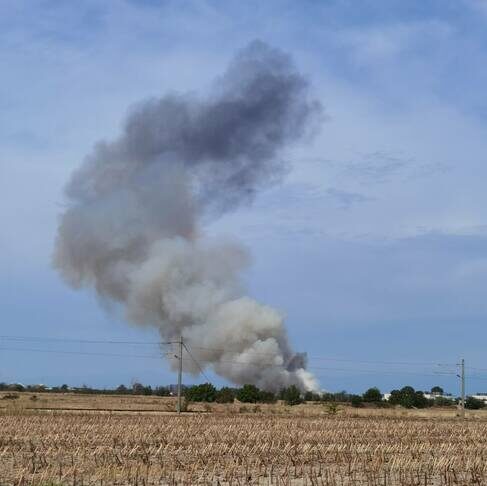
x=462, y=377
x=180, y=374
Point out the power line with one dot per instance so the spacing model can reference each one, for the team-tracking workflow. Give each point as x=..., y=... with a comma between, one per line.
x=360, y=370
x=148, y=343
x=408, y=363
x=196, y=362
x=323, y=358
x=224, y=350
x=82, y=341
x=87, y=353
x=241, y=363
x=477, y=369
x=473, y=377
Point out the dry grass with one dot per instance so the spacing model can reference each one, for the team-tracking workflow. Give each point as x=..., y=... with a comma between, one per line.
x=153, y=404
x=260, y=447
x=85, y=402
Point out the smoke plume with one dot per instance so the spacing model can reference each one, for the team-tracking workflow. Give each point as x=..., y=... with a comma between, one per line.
x=136, y=206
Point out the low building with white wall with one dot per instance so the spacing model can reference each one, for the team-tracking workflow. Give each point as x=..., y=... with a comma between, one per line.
x=480, y=396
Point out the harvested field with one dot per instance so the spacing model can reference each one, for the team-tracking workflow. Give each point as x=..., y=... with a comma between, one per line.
x=86, y=402
x=236, y=449
x=81, y=402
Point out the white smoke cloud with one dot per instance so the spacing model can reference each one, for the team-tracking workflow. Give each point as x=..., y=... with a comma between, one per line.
x=133, y=227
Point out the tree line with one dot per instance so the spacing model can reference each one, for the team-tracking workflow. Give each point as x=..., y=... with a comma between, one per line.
x=207, y=392
x=134, y=389
x=406, y=397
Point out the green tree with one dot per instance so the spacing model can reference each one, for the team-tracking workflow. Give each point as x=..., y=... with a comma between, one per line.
x=267, y=397
x=248, y=394
x=420, y=401
x=85, y=389
x=332, y=408
x=342, y=396
x=327, y=397
x=356, y=401
x=442, y=402
x=138, y=389
x=161, y=391
x=225, y=395
x=310, y=396
x=408, y=397
x=291, y=395
x=205, y=392
x=437, y=390
x=372, y=395
x=122, y=389
x=473, y=403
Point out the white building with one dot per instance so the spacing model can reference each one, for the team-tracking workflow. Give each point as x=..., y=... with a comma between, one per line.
x=481, y=396
x=430, y=396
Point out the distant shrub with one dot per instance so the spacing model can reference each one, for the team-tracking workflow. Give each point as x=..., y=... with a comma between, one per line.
x=327, y=397
x=248, y=394
x=372, y=395
x=161, y=391
x=139, y=389
x=474, y=403
x=408, y=397
x=341, y=396
x=356, y=401
x=310, y=396
x=443, y=402
x=225, y=395
x=291, y=395
x=201, y=393
x=332, y=408
x=267, y=397
x=10, y=396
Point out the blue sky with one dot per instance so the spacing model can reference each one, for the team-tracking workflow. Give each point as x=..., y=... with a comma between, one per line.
x=375, y=244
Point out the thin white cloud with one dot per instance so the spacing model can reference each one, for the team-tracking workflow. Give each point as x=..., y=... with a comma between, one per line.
x=380, y=44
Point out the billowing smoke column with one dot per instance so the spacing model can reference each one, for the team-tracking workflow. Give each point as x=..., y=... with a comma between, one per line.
x=135, y=209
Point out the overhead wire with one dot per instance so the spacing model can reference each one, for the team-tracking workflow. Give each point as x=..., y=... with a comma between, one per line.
x=156, y=343
x=81, y=341
x=240, y=363
x=86, y=353
x=22, y=339
x=196, y=362
x=324, y=358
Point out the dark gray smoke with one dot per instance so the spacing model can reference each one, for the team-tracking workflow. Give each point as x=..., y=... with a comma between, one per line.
x=133, y=226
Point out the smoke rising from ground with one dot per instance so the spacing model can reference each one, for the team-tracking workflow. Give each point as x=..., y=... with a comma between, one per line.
x=133, y=227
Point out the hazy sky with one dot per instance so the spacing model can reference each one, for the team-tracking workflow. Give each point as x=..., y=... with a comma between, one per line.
x=375, y=243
